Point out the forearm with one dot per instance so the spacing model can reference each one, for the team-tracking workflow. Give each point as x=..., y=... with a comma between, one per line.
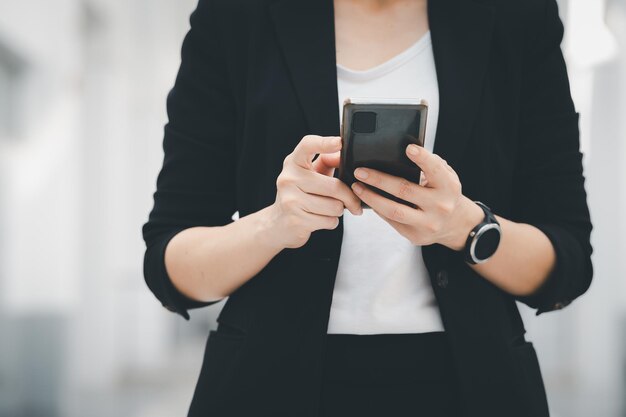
x=210, y=263
x=524, y=258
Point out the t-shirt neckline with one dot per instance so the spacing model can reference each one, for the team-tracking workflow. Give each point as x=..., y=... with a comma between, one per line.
x=387, y=66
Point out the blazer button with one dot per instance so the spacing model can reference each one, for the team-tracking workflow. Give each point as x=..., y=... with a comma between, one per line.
x=442, y=278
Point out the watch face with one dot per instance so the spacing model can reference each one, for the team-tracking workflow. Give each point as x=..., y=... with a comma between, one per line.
x=487, y=241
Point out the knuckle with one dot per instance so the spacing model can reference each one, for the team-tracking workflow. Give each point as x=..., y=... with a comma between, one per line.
x=330, y=184
x=336, y=185
x=433, y=226
x=406, y=189
x=397, y=214
x=287, y=160
x=284, y=180
x=444, y=206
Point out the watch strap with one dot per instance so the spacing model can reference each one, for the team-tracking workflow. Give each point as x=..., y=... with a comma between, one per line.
x=472, y=237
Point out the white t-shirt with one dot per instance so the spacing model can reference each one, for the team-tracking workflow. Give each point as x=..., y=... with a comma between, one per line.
x=382, y=285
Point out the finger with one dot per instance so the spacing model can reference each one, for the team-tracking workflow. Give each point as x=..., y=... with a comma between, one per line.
x=397, y=186
x=313, y=144
x=445, y=163
x=433, y=165
x=390, y=209
x=326, y=163
x=403, y=229
x=322, y=205
x=316, y=183
x=317, y=221
x=452, y=171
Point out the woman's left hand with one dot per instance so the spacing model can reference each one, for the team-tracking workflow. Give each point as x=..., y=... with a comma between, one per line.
x=443, y=214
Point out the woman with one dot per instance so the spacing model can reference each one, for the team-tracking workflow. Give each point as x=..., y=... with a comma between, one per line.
x=370, y=312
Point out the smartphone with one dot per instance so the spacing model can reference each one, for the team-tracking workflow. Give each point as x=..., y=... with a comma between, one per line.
x=375, y=133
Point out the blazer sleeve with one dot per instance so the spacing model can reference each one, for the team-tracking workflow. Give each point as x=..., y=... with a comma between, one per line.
x=549, y=191
x=196, y=183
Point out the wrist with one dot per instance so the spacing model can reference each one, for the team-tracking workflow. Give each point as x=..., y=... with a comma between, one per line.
x=470, y=214
x=265, y=229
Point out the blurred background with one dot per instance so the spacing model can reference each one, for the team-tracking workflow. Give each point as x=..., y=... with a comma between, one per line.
x=82, y=107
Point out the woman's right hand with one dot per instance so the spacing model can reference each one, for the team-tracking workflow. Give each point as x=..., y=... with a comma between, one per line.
x=308, y=197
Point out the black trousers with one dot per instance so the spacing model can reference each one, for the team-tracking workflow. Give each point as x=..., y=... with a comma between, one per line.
x=391, y=375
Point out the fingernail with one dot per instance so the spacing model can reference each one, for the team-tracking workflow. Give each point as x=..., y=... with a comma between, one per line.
x=358, y=188
x=413, y=149
x=361, y=173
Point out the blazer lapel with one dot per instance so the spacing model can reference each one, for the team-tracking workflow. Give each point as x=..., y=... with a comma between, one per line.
x=461, y=32
x=305, y=31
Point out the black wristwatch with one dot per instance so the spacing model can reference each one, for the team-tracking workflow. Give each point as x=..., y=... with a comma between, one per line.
x=484, y=239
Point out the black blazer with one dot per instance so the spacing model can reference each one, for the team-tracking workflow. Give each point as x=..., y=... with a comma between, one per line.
x=258, y=75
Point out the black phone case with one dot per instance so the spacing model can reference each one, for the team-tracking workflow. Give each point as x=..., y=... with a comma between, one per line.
x=381, y=144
